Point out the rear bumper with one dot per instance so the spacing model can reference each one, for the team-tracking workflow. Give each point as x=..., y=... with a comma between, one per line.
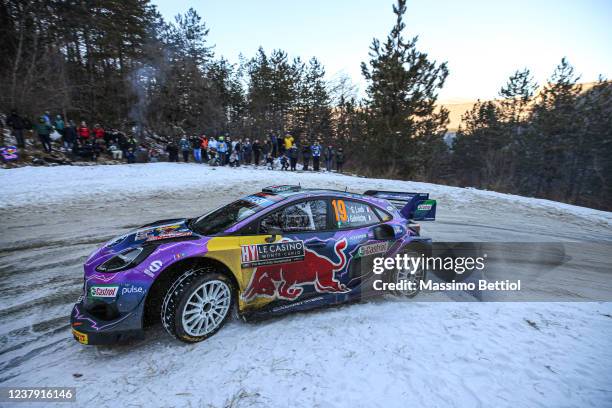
x=87, y=329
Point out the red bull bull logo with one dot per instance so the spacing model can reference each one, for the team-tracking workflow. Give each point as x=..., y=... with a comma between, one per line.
x=286, y=281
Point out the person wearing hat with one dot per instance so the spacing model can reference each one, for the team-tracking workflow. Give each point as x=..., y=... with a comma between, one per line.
x=329, y=157
x=222, y=150
x=43, y=129
x=316, y=155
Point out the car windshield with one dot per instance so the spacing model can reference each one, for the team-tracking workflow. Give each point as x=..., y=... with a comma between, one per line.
x=222, y=218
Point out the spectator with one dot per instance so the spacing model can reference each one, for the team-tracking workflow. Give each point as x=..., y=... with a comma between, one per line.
x=197, y=149
x=172, y=150
x=70, y=135
x=116, y=153
x=339, y=159
x=329, y=157
x=247, y=151
x=280, y=146
x=273, y=144
x=43, y=129
x=256, y=151
x=132, y=143
x=131, y=157
x=185, y=148
x=288, y=142
x=270, y=162
x=83, y=132
x=204, y=147
x=98, y=132
x=237, y=146
x=17, y=123
x=153, y=155
x=95, y=148
x=222, y=150
x=123, y=143
x=59, y=125
x=266, y=150
x=293, y=156
x=316, y=155
x=229, y=143
x=47, y=118
x=306, y=154
x=233, y=159
x=213, y=145
x=284, y=162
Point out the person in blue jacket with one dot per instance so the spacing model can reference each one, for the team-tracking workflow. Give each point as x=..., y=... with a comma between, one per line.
x=185, y=147
x=316, y=155
x=222, y=150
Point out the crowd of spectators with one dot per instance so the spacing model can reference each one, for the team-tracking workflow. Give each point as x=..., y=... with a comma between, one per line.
x=283, y=152
x=85, y=142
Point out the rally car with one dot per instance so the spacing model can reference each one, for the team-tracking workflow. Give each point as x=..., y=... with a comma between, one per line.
x=283, y=249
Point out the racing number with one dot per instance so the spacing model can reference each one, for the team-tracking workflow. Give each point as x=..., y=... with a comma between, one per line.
x=340, y=210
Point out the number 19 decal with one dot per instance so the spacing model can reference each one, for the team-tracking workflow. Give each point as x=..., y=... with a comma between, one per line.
x=340, y=210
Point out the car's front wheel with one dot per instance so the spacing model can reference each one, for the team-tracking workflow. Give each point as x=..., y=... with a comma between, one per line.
x=197, y=305
x=409, y=277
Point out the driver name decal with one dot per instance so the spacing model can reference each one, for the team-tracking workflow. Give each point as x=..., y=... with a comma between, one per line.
x=270, y=254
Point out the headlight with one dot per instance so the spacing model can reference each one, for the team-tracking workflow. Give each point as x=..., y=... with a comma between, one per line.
x=125, y=259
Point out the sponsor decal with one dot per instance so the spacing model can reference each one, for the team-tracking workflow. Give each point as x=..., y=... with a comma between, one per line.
x=162, y=232
x=169, y=235
x=179, y=255
x=296, y=304
x=371, y=249
x=270, y=254
x=424, y=207
x=152, y=268
x=357, y=238
x=103, y=291
x=132, y=289
x=286, y=281
x=80, y=337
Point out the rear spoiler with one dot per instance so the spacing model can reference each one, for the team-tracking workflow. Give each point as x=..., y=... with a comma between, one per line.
x=412, y=206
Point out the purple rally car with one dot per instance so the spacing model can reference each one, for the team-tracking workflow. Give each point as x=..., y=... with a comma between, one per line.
x=283, y=249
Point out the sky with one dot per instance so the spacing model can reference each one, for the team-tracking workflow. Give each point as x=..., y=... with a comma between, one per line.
x=484, y=42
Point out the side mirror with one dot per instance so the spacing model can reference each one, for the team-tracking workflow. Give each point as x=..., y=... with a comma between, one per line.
x=383, y=232
x=274, y=231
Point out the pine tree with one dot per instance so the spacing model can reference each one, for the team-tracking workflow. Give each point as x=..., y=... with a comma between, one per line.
x=402, y=91
x=556, y=134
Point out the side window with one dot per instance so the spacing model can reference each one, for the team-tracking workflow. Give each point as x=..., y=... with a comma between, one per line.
x=383, y=215
x=351, y=214
x=303, y=216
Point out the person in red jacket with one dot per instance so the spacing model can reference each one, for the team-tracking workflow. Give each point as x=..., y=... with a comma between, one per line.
x=204, y=146
x=98, y=131
x=83, y=132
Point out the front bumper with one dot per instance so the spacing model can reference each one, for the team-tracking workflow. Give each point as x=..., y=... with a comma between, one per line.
x=90, y=330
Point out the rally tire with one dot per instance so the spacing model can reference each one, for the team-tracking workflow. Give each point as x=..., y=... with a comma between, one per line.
x=416, y=276
x=182, y=292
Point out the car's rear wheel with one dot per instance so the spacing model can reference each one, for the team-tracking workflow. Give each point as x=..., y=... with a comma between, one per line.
x=197, y=305
x=408, y=278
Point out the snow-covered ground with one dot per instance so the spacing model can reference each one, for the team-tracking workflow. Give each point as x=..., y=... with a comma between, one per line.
x=386, y=352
